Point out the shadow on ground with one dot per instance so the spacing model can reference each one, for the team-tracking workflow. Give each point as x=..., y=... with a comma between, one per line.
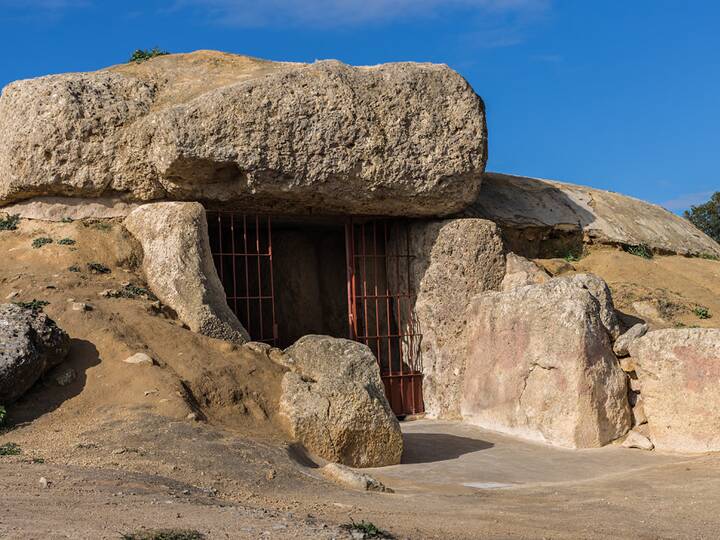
x=432, y=447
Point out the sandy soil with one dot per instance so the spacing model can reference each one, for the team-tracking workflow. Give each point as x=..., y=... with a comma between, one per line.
x=120, y=452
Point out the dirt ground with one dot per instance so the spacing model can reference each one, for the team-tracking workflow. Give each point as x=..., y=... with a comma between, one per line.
x=120, y=452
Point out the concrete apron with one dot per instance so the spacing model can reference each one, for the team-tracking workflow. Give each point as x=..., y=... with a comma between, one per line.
x=452, y=457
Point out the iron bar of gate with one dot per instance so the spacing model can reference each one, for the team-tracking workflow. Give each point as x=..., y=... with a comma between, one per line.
x=232, y=253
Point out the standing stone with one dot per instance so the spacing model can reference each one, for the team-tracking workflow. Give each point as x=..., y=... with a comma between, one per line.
x=334, y=403
x=30, y=344
x=539, y=365
x=680, y=374
x=179, y=267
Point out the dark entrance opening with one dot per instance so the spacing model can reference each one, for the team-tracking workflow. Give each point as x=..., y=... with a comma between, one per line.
x=287, y=277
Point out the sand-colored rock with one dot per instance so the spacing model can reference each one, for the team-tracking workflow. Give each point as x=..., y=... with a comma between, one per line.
x=680, y=374
x=542, y=209
x=597, y=287
x=539, y=365
x=179, y=268
x=520, y=271
x=334, y=403
x=454, y=260
x=621, y=347
x=394, y=139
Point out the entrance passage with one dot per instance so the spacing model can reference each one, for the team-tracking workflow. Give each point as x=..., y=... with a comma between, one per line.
x=286, y=277
x=381, y=303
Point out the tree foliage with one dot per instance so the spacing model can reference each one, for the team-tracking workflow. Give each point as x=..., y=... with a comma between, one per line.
x=706, y=217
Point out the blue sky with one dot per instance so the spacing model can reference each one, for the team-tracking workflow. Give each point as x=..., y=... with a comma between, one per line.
x=621, y=94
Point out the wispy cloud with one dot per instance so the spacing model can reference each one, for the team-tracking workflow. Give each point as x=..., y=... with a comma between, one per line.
x=324, y=13
x=685, y=201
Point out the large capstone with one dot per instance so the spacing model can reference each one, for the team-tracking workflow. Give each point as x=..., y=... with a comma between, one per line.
x=538, y=363
x=394, y=139
x=30, y=344
x=334, y=403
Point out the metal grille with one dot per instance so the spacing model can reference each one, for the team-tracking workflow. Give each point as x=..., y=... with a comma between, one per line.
x=381, y=303
x=241, y=247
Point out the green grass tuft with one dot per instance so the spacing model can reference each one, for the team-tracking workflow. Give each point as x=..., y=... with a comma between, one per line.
x=33, y=305
x=10, y=449
x=9, y=223
x=98, y=268
x=369, y=530
x=164, y=534
x=142, y=55
x=40, y=242
x=641, y=250
x=67, y=242
x=701, y=312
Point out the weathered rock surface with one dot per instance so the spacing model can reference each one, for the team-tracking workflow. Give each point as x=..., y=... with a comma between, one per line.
x=541, y=207
x=680, y=374
x=30, y=344
x=539, y=364
x=353, y=479
x=622, y=345
x=454, y=260
x=179, y=268
x=520, y=271
x=334, y=403
x=637, y=440
x=597, y=287
x=406, y=138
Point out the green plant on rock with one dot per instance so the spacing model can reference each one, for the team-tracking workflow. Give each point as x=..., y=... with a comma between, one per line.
x=42, y=241
x=142, y=55
x=367, y=529
x=701, y=312
x=640, y=250
x=98, y=268
x=33, y=305
x=9, y=223
x=709, y=257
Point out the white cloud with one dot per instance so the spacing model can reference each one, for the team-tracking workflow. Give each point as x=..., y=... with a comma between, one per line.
x=684, y=202
x=352, y=12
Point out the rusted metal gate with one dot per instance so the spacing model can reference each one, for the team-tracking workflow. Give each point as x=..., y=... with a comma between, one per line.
x=381, y=304
x=241, y=247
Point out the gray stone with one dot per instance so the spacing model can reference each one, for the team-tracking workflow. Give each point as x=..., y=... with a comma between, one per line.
x=597, y=287
x=179, y=267
x=622, y=345
x=394, y=139
x=139, y=359
x=30, y=344
x=334, y=403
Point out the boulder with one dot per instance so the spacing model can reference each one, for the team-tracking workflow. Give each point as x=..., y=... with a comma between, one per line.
x=597, y=287
x=393, y=139
x=453, y=260
x=334, y=403
x=637, y=440
x=680, y=374
x=538, y=211
x=622, y=345
x=30, y=345
x=179, y=268
x=520, y=271
x=539, y=365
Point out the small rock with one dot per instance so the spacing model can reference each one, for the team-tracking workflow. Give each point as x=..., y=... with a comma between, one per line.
x=555, y=267
x=353, y=479
x=637, y=440
x=44, y=482
x=81, y=306
x=139, y=359
x=627, y=365
x=271, y=474
x=12, y=295
x=638, y=412
x=193, y=417
x=622, y=344
x=106, y=293
x=63, y=375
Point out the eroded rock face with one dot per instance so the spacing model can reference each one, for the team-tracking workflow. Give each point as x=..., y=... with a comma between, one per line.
x=534, y=211
x=597, y=287
x=454, y=260
x=395, y=139
x=539, y=364
x=334, y=403
x=179, y=268
x=30, y=344
x=520, y=271
x=679, y=370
